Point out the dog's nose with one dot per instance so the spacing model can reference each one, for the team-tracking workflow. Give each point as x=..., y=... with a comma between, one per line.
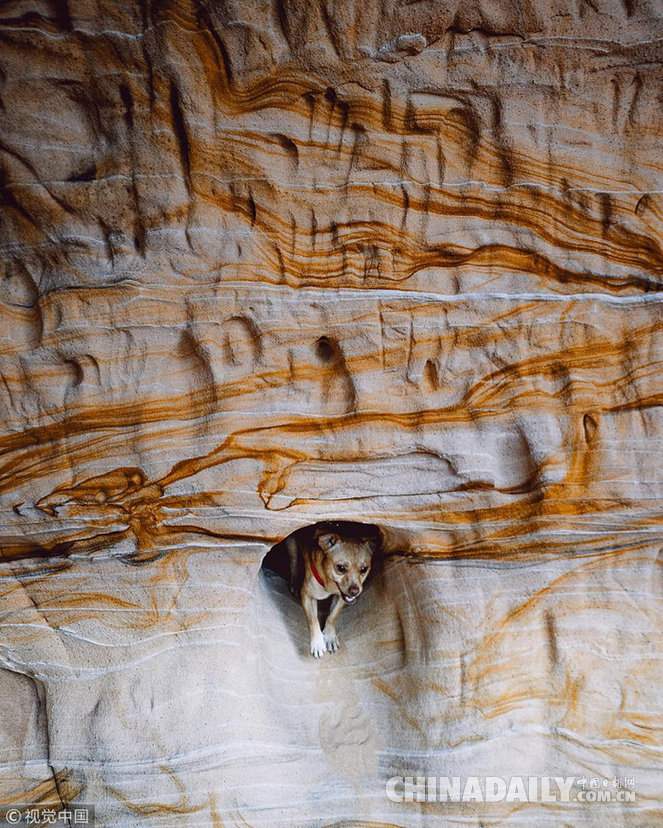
x=354, y=590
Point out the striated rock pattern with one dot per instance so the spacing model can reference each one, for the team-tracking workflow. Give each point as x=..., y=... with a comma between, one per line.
x=269, y=263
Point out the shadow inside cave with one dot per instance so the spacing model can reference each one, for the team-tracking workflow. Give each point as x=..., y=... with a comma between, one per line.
x=276, y=566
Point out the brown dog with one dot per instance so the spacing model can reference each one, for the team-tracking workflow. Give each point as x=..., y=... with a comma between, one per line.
x=333, y=565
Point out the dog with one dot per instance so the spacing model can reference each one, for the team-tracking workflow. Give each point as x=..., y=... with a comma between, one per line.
x=332, y=565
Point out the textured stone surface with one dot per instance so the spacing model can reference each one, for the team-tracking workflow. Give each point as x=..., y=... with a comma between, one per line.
x=268, y=264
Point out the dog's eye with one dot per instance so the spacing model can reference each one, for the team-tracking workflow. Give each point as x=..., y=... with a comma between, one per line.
x=364, y=570
x=340, y=568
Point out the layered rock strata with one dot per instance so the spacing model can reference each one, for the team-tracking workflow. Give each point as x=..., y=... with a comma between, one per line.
x=266, y=264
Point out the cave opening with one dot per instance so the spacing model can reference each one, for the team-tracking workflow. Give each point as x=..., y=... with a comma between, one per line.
x=277, y=560
x=325, y=566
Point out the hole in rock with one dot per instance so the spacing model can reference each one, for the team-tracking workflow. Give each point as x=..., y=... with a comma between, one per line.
x=335, y=554
x=88, y=174
x=280, y=560
x=361, y=630
x=326, y=349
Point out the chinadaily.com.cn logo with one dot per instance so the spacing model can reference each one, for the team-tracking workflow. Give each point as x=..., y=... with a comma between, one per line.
x=545, y=789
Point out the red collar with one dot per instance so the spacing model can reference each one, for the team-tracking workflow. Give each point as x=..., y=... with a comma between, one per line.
x=316, y=575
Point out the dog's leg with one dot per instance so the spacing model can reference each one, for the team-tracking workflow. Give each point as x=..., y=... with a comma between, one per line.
x=331, y=639
x=310, y=605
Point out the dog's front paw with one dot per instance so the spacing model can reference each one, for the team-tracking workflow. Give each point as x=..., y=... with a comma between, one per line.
x=331, y=640
x=318, y=646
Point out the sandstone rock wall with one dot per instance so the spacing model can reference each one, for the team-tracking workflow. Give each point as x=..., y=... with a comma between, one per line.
x=269, y=263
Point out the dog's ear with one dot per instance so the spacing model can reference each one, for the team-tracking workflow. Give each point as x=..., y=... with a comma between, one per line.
x=373, y=542
x=327, y=540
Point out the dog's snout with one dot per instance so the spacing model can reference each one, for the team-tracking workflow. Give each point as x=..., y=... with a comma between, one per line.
x=354, y=590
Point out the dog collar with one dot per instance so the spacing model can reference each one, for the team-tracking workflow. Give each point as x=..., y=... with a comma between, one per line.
x=316, y=575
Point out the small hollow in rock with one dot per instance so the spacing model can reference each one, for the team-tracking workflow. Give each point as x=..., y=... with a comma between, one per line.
x=277, y=559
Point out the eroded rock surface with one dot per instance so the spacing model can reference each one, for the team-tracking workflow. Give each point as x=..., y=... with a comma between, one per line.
x=266, y=264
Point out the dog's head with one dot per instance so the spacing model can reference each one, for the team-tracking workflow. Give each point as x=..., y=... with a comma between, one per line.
x=346, y=563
